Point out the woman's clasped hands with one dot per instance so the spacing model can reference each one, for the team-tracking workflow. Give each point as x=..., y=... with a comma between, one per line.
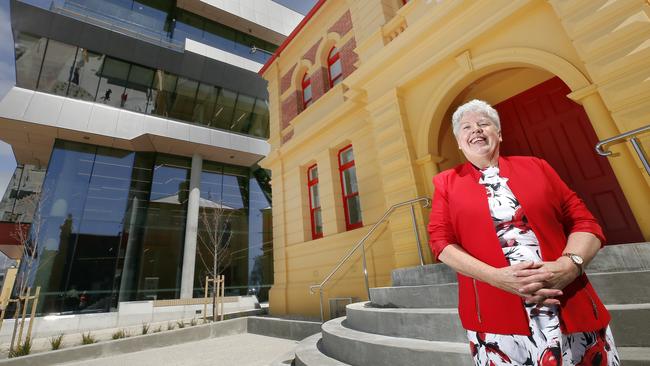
x=536, y=282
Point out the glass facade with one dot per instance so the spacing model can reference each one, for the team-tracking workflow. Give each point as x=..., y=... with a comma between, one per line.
x=112, y=228
x=58, y=68
x=160, y=22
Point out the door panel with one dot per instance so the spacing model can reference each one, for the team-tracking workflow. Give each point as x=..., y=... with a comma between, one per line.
x=543, y=122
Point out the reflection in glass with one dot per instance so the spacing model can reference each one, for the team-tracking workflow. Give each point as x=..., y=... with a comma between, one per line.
x=224, y=109
x=29, y=51
x=59, y=69
x=82, y=74
x=163, y=90
x=113, y=228
x=162, y=248
x=183, y=106
x=137, y=97
x=113, y=80
x=206, y=98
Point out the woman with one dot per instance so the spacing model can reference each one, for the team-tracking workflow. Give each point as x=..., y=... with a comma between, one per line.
x=519, y=239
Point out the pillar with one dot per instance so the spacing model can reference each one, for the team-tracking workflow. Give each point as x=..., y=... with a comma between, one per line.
x=191, y=228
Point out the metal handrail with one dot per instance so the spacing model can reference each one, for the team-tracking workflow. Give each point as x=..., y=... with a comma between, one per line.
x=427, y=203
x=633, y=140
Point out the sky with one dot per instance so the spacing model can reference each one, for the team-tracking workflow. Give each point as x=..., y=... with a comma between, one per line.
x=7, y=80
x=300, y=6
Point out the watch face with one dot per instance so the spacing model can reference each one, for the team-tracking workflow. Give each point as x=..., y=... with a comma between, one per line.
x=576, y=259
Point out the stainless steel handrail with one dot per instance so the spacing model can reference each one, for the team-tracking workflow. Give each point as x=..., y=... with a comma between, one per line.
x=427, y=203
x=633, y=140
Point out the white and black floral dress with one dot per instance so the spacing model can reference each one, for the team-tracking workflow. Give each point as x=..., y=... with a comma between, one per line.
x=547, y=345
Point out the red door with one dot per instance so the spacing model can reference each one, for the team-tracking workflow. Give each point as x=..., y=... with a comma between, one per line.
x=543, y=122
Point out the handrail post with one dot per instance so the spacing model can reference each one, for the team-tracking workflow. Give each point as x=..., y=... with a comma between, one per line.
x=322, y=317
x=417, y=235
x=365, y=270
x=639, y=151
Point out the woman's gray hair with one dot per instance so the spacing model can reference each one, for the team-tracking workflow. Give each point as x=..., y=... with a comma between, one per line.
x=475, y=105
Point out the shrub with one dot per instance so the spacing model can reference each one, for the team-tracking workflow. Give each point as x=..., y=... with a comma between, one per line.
x=119, y=334
x=193, y=322
x=145, y=328
x=170, y=326
x=180, y=324
x=56, y=341
x=157, y=330
x=87, y=338
x=22, y=349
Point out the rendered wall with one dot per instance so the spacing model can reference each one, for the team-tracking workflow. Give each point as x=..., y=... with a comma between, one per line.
x=415, y=63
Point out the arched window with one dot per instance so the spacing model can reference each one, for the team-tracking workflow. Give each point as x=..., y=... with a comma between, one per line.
x=334, y=68
x=306, y=91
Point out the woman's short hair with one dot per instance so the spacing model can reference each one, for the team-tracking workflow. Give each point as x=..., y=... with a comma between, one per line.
x=475, y=105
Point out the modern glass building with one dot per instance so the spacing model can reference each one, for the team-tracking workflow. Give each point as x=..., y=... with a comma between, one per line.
x=148, y=118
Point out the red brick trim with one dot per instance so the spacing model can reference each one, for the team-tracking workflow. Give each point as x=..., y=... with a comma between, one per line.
x=343, y=25
x=348, y=57
x=285, y=81
x=311, y=54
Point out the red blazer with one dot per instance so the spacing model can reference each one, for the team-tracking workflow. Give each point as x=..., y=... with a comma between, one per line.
x=460, y=215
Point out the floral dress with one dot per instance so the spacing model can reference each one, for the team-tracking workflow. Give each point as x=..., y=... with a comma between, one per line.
x=546, y=345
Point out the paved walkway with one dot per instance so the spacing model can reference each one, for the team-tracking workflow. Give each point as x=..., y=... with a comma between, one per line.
x=240, y=350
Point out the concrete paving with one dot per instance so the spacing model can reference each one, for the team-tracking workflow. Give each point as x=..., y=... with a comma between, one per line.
x=240, y=349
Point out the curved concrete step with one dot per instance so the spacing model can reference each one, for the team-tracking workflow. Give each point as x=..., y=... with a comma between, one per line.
x=629, y=323
x=360, y=348
x=430, y=274
x=422, y=296
x=308, y=353
x=629, y=287
x=428, y=324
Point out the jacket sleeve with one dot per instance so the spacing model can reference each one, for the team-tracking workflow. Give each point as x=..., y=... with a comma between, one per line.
x=576, y=217
x=440, y=230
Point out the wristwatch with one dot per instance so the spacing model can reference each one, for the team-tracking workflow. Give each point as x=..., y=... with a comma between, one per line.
x=577, y=260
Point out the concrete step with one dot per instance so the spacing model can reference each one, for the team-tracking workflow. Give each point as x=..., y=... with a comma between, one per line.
x=308, y=353
x=621, y=258
x=359, y=348
x=612, y=288
x=629, y=323
x=422, y=296
x=431, y=274
x=428, y=324
x=634, y=356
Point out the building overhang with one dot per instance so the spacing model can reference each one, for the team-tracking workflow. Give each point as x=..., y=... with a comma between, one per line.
x=30, y=121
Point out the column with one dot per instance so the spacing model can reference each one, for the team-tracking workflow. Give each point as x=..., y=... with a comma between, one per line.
x=191, y=228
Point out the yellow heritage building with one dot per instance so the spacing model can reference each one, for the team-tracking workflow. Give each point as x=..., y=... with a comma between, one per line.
x=360, y=101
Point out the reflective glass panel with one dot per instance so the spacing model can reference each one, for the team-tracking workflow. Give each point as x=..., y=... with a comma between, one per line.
x=162, y=93
x=29, y=52
x=206, y=99
x=224, y=109
x=259, y=124
x=58, y=70
x=137, y=96
x=347, y=156
x=112, y=83
x=243, y=111
x=85, y=77
x=183, y=106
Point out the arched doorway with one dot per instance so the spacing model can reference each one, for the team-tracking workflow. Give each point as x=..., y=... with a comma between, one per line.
x=541, y=121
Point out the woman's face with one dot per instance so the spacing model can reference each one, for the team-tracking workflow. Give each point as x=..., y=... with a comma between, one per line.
x=479, y=138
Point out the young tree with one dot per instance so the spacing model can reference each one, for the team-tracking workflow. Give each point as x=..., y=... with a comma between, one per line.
x=214, y=238
x=28, y=235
